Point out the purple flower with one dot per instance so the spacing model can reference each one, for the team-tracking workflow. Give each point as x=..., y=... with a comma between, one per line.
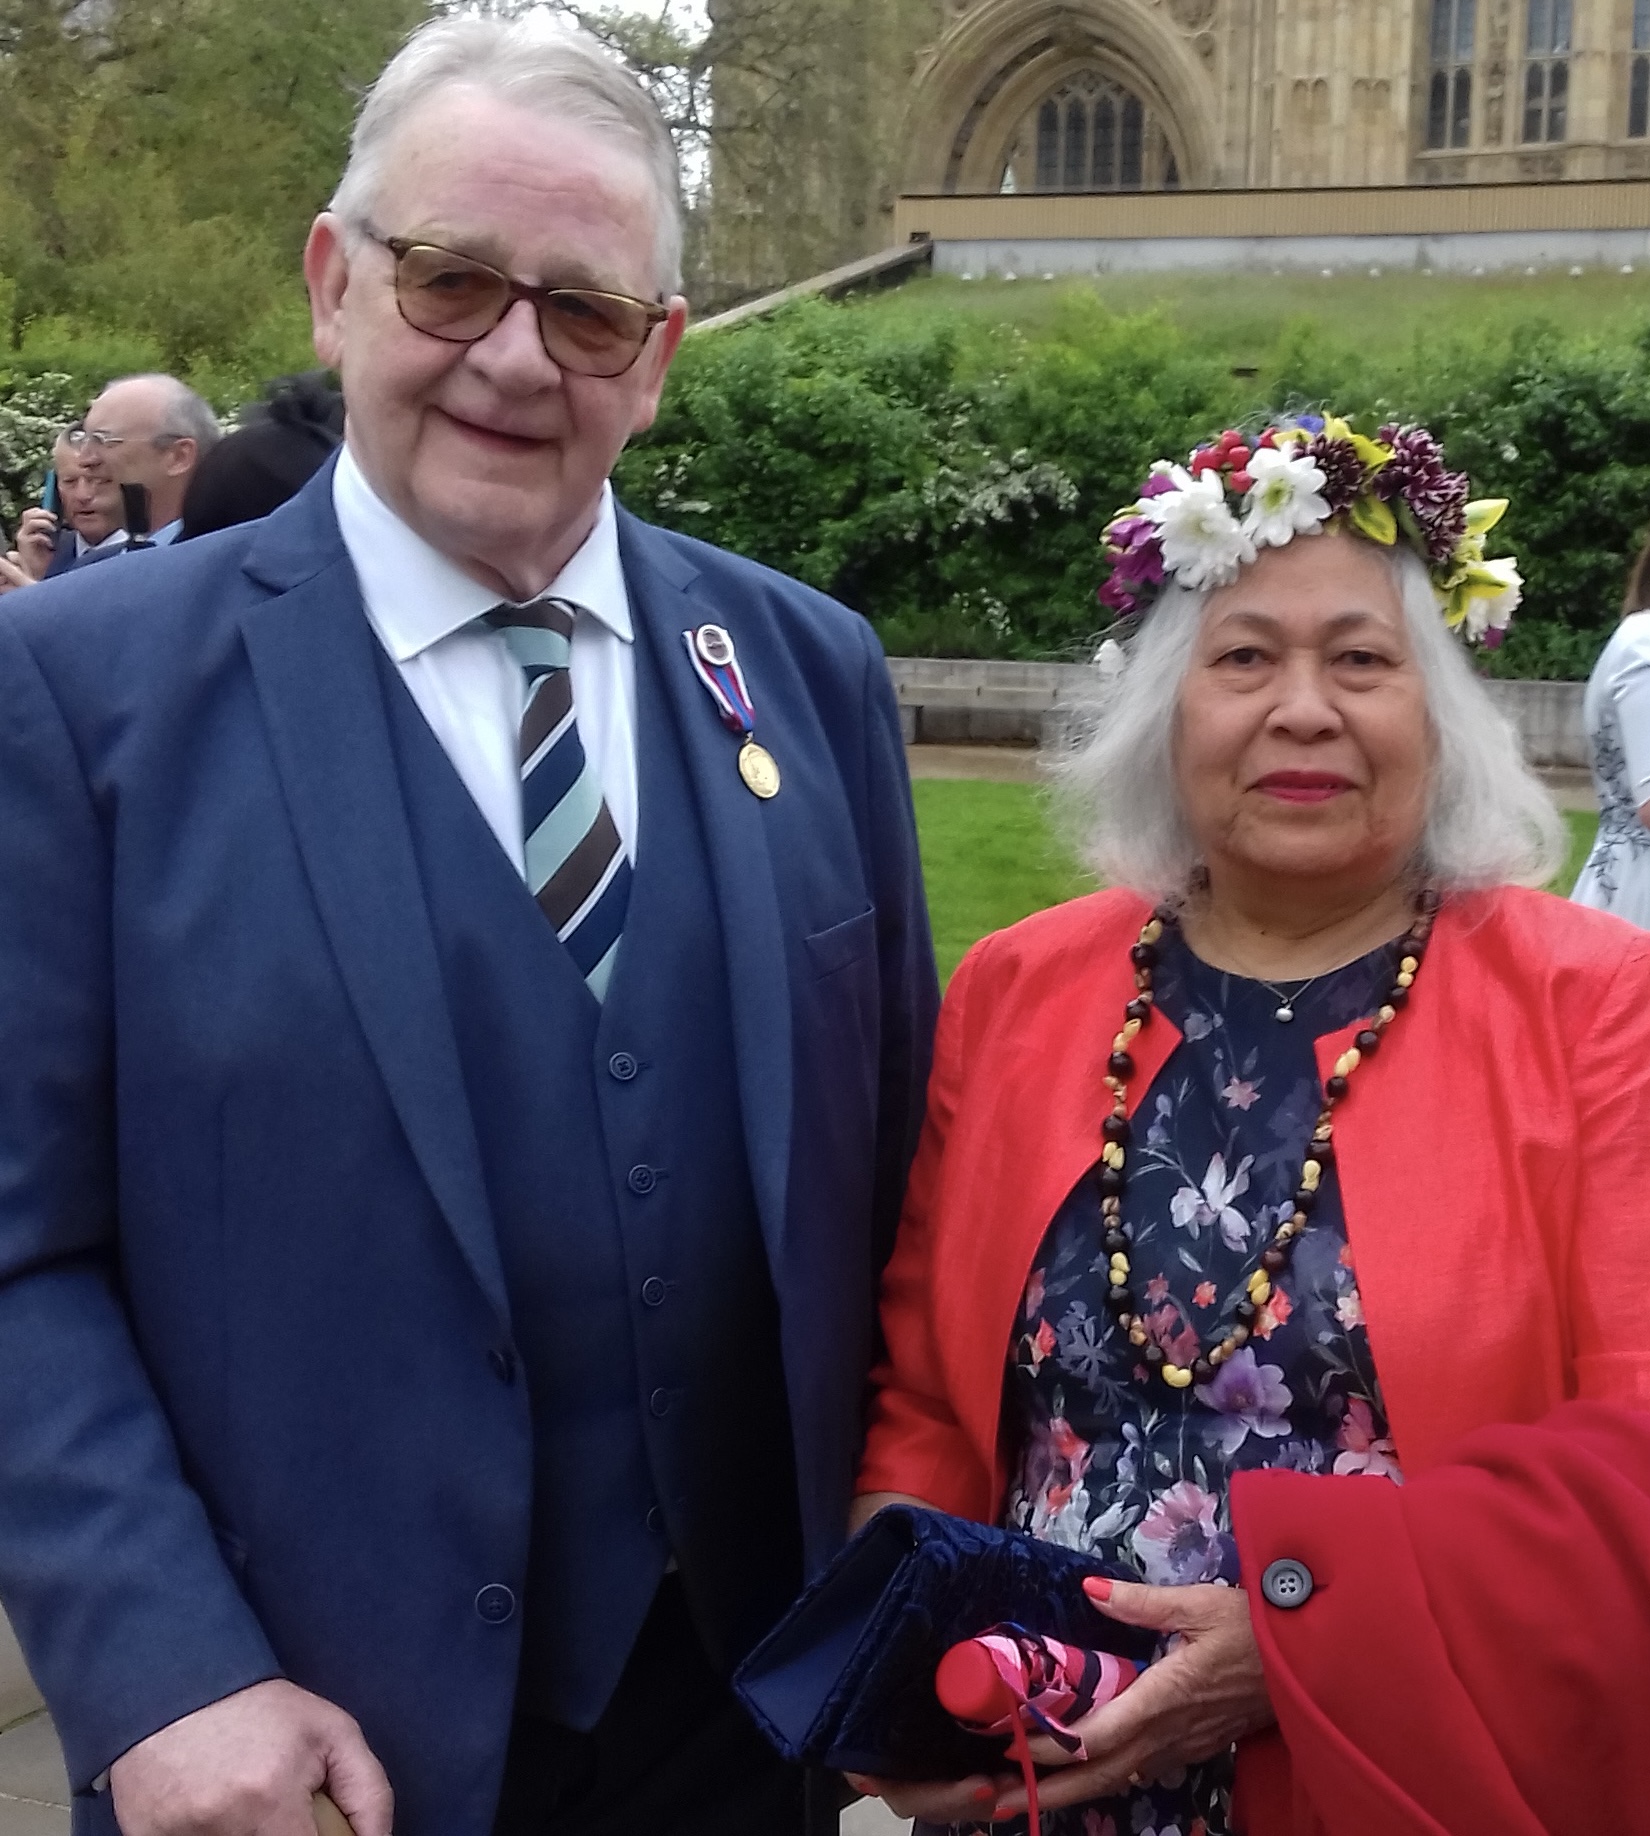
x=1157, y=485
x=1417, y=477
x=1343, y=472
x=1313, y=423
x=1252, y=1398
x=1177, y=1540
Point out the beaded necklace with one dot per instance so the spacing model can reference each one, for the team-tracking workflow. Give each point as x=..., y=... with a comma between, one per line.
x=1276, y=1256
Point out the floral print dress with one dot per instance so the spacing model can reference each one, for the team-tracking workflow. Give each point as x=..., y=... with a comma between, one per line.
x=1139, y=1475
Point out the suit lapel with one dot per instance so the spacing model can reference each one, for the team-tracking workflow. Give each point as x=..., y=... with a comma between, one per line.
x=311, y=651
x=664, y=605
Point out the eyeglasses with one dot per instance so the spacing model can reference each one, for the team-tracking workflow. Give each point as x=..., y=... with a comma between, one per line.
x=457, y=298
x=79, y=437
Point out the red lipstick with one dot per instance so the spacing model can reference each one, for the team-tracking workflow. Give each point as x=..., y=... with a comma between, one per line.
x=1303, y=786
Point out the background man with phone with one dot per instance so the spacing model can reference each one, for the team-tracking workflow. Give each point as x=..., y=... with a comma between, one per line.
x=79, y=514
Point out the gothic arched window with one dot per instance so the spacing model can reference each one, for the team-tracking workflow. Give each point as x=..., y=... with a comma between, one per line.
x=1638, y=82
x=1547, y=70
x=1449, y=102
x=1092, y=134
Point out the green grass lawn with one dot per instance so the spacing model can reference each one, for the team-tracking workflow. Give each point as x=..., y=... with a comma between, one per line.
x=1241, y=316
x=991, y=857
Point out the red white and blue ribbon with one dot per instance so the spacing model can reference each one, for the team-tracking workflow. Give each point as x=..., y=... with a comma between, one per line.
x=711, y=651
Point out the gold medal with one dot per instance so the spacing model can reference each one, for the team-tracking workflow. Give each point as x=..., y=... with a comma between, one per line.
x=757, y=768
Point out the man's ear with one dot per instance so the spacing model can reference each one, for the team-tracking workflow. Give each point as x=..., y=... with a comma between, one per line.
x=658, y=357
x=180, y=455
x=326, y=274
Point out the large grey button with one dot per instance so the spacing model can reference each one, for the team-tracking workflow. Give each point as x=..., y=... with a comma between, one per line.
x=654, y=1291
x=622, y=1066
x=659, y=1402
x=1287, y=1584
x=642, y=1180
x=656, y=1520
x=495, y=1603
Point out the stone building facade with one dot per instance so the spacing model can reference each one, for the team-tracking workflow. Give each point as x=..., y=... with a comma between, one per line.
x=858, y=101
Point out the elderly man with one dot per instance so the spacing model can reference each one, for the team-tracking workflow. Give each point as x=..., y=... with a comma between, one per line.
x=465, y=998
x=151, y=431
x=89, y=525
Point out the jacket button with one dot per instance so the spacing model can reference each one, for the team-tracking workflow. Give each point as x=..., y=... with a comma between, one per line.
x=642, y=1180
x=503, y=1363
x=659, y=1402
x=656, y=1520
x=1287, y=1584
x=495, y=1604
x=654, y=1291
x=622, y=1066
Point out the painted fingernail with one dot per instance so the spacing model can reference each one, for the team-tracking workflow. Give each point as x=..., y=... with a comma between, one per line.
x=985, y=1794
x=1098, y=1589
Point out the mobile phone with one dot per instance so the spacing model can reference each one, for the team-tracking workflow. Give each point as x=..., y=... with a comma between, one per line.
x=134, y=503
x=50, y=497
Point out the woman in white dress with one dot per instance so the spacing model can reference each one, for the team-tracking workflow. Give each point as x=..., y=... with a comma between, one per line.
x=1617, y=712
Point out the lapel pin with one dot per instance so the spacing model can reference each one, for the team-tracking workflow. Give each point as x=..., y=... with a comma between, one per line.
x=710, y=649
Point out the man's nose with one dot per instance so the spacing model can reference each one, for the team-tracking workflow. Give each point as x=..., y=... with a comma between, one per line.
x=513, y=352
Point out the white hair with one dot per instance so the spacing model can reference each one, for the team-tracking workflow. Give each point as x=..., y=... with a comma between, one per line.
x=1489, y=821
x=555, y=72
x=184, y=414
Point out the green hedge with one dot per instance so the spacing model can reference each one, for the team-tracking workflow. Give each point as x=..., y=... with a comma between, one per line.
x=951, y=481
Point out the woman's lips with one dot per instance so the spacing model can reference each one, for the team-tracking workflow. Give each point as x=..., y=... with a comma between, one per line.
x=1303, y=786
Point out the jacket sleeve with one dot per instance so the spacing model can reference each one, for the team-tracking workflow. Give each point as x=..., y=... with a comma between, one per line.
x=1470, y=1660
x=109, y=1569
x=916, y=1444
x=1606, y=1278
x=905, y=948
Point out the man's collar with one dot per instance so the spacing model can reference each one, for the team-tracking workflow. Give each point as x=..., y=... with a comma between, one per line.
x=416, y=596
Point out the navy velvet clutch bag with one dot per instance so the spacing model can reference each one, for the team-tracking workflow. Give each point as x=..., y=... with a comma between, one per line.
x=846, y=1679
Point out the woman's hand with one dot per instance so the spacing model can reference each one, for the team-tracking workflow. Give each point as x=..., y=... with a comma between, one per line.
x=1205, y=1695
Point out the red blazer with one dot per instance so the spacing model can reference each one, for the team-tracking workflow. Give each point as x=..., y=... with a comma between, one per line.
x=1494, y=1162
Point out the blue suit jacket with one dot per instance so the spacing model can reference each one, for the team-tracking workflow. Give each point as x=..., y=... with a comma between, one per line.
x=248, y=1277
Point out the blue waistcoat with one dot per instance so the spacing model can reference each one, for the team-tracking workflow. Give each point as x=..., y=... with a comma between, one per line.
x=644, y=1321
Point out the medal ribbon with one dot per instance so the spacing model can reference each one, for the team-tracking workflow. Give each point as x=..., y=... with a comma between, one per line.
x=726, y=683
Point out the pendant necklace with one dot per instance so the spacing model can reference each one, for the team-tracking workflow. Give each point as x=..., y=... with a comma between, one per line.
x=1286, y=1002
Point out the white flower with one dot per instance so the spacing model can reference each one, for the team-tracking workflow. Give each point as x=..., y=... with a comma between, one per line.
x=1494, y=611
x=1195, y=1211
x=1286, y=499
x=1203, y=546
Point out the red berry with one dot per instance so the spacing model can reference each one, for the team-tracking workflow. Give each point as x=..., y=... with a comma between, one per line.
x=1202, y=461
x=1269, y=440
x=1242, y=482
x=1238, y=456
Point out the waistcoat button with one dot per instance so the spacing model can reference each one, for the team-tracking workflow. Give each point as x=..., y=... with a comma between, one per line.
x=622, y=1066
x=654, y=1291
x=495, y=1604
x=656, y=1520
x=503, y=1363
x=642, y=1180
x=659, y=1402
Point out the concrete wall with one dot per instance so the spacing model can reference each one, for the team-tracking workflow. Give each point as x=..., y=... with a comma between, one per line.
x=949, y=702
x=1492, y=251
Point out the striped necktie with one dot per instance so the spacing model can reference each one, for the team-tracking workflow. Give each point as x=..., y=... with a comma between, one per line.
x=576, y=865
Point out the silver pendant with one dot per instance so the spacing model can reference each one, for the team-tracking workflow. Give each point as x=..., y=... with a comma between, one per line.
x=1285, y=1013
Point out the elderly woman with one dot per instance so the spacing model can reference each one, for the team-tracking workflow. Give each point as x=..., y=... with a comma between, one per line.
x=1310, y=1162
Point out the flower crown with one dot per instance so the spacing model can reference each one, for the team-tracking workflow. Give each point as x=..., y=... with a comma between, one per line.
x=1198, y=524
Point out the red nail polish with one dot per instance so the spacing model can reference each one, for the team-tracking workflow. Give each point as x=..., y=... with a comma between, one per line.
x=1098, y=1589
x=985, y=1794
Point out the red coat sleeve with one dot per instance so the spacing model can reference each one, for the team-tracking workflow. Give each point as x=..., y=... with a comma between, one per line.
x=914, y=1443
x=1472, y=1660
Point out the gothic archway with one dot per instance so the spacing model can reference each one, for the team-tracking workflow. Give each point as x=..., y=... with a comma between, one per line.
x=978, y=111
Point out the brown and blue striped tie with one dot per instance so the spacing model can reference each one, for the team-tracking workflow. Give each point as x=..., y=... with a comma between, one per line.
x=576, y=865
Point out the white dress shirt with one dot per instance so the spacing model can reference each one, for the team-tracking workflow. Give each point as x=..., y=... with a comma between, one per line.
x=466, y=683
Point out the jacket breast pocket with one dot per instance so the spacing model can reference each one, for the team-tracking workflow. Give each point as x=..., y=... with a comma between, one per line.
x=842, y=944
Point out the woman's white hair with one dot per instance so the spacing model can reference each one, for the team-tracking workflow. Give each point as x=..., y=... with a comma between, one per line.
x=535, y=64
x=1489, y=821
